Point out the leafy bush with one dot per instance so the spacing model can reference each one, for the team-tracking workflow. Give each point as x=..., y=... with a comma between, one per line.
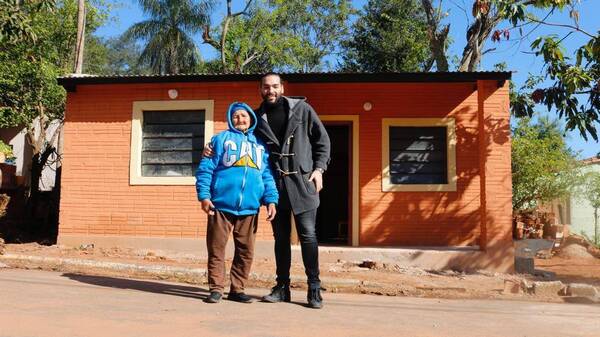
x=543, y=168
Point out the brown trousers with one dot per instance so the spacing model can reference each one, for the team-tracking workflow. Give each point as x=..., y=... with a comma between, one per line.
x=220, y=226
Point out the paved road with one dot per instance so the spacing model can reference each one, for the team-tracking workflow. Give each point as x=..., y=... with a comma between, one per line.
x=38, y=303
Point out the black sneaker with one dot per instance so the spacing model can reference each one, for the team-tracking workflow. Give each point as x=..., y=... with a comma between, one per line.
x=279, y=293
x=239, y=297
x=214, y=297
x=314, y=298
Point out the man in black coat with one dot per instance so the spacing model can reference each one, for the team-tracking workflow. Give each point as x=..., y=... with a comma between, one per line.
x=299, y=150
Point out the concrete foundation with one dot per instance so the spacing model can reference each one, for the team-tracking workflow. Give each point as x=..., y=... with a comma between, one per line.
x=431, y=258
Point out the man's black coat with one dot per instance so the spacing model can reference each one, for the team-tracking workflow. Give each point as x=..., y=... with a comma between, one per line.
x=305, y=147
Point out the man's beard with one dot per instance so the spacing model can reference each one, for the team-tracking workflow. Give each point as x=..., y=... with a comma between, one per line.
x=269, y=104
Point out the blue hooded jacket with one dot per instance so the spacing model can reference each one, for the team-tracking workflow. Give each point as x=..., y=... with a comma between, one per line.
x=238, y=177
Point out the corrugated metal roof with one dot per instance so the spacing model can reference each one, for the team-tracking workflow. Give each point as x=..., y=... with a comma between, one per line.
x=71, y=81
x=591, y=160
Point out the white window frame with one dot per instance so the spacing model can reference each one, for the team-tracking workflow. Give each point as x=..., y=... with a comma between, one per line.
x=137, y=121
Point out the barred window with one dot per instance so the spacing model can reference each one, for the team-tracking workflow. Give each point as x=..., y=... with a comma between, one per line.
x=167, y=138
x=172, y=142
x=418, y=155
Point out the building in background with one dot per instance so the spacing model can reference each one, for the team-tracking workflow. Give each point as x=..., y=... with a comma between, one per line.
x=418, y=160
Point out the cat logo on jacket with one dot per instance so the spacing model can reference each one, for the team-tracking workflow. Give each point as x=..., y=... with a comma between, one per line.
x=249, y=155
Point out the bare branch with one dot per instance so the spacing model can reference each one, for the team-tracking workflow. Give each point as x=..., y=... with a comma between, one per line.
x=477, y=34
x=209, y=40
x=564, y=37
x=245, y=11
x=437, y=36
x=562, y=25
x=223, y=39
x=462, y=8
x=249, y=59
x=487, y=51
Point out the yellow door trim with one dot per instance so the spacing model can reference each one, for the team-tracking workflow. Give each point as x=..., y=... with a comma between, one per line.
x=354, y=119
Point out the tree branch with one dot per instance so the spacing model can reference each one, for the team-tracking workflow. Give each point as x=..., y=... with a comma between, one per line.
x=249, y=59
x=437, y=36
x=223, y=39
x=209, y=40
x=238, y=13
x=575, y=28
x=487, y=51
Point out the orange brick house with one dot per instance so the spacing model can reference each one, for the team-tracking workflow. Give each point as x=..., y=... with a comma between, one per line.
x=418, y=159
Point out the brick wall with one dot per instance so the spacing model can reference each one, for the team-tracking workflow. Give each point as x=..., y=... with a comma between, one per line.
x=97, y=198
x=496, y=185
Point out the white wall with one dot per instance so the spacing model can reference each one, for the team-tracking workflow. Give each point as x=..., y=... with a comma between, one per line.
x=16, y=137
x=23, y=152
x=582, y=213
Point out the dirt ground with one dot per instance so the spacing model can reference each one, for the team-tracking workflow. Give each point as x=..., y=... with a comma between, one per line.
x=573, y=270
x=373, y=278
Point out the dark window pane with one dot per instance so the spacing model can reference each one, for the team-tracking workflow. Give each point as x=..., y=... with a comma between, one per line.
x=418, y=155
x=172, y=142
x=401, y=168
x=174, y=130
x=174, y=117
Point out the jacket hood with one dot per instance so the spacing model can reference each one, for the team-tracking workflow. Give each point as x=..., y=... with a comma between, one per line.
x=237, y=106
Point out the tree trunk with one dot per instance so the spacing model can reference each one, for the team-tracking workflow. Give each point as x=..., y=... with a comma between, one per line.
x=36, y=226
x=437, y=37
x=78, y=67
x=223, y=40
x=477, y=33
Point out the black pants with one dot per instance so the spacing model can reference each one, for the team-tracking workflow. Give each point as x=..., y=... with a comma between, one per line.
x=305, y=225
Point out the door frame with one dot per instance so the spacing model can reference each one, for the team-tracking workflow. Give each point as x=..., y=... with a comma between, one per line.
x=353, y=120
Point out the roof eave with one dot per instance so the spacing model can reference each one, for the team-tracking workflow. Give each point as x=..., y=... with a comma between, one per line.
x=70, y=83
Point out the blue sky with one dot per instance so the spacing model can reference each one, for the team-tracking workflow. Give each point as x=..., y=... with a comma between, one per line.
x=513, y=52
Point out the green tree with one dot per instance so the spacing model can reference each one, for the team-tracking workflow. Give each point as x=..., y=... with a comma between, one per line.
x=37, y=45
x=543, y=168
x=32, y=56
x=169, y=47
x=320, y=25
x=574, y=82
x=388, y=36
x=113, y=56
x=255, y=44
x=574, y=88
x=293, y=35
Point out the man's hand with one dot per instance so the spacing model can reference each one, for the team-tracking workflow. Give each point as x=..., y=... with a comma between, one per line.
x=317, y=178
x=208, y=151
x=208, y=207
x=271, y=211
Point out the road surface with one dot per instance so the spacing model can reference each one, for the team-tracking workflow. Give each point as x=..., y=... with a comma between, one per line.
x=46, y=304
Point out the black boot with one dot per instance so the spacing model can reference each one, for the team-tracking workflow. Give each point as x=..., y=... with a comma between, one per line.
x=314, y=298
x=279, y=293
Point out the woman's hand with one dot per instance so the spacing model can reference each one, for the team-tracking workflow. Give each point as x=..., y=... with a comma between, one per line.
x=208, y=207
x=271, y=211
x=208, y=151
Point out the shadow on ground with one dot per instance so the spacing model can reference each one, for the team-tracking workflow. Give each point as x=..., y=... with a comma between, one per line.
x=147, y=286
